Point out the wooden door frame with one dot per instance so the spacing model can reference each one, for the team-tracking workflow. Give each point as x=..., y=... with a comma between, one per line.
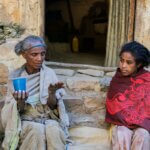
x=132, y=17
x=121, y=26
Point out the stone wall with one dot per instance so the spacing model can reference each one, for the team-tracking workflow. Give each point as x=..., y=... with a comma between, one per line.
x=142, y=26
x=7, y=55
x=3, y=91
x=3, y=81
x=29, y=14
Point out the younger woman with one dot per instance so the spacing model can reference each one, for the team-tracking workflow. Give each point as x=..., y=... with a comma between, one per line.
x=128, y=100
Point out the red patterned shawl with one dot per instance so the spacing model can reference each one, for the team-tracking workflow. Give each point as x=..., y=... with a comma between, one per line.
x=128, y=100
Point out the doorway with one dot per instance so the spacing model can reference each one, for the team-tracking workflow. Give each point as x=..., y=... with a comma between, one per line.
x=82, y=21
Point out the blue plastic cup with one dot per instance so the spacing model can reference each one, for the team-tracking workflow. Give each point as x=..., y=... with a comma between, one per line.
x=19, y=84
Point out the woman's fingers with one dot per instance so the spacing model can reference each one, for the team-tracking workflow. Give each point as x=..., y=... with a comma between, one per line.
x=15, y=94
x=23, y=94
x=53, y=88
x=20, y=95
x=26, y=95
x=60, y=85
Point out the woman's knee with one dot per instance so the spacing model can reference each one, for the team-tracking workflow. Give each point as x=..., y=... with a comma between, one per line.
x=123, y=134
x=123, y=131
x=51, y=123
x=35, y=129
x=141, y=133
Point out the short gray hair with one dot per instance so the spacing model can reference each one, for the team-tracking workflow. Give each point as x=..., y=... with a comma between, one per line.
x=28, y=43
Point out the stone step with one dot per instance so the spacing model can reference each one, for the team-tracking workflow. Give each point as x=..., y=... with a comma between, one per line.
x=65, y=72
x=89, y=138
x=82, y=83
x=89, y=147
x=91, y=72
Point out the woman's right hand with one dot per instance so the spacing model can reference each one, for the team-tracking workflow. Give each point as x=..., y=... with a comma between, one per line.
x=20, y=97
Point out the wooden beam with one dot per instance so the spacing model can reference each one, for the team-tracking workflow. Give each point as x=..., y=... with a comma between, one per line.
x=131, y=20
x=42, y=18
x=70, y=15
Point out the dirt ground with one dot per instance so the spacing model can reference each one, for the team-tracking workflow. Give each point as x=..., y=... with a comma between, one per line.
x=61, y=53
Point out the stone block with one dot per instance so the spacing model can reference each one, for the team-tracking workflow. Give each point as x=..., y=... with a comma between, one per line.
x=3, y=90
x=3, y=74
x=80, y=83
x=92, y=72
x=89, y=138
x=78, y=119
x=8, y=56
x=65, y=72
x=62, y=78
x=110, y=74
x=105, y=81
x=89, y=111
x=74, y=106
x=93, y=103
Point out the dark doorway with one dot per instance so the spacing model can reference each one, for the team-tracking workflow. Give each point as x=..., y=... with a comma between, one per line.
x=88, y=26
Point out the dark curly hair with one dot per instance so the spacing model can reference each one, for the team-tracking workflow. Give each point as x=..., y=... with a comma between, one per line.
x=138, y=51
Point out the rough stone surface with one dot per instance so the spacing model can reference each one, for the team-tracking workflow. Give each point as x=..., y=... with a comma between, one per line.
x=3, y=81
x=74, y=105
x=110, y=74
x=3, y=74
x=11, y=30
x=95, y=73
x=142, y=22
x=78, y=115
x=93, y=103
x=86, y=110
x=88, y=138
x=105, y=81
x=1, y=128
x=82, y=120
x=8, y=57
x=78, y=84
x=3, y=90
x=62, y=78
x=23, y=12
x=65, y=72
x=79, y=75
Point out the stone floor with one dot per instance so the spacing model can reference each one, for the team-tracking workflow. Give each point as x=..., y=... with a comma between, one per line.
x=60, y=52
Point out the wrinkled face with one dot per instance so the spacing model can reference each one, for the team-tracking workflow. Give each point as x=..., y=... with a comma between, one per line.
x=34, y=58
x=127, y=64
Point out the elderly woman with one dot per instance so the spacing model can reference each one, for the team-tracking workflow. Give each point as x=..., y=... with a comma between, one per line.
x=28, y=116
x=128, y=100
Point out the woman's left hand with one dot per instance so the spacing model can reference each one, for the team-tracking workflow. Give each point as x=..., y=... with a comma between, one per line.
x=52, y=100
x=53, y=88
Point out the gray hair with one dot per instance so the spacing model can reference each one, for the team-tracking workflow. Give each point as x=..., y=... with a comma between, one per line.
x=28, y=43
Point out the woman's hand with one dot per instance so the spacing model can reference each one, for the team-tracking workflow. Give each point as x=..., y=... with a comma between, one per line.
x=52, y=101
x=53, y=88
x=20, y=97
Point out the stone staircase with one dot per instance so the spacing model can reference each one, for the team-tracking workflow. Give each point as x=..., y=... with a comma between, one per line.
x=86, y=88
